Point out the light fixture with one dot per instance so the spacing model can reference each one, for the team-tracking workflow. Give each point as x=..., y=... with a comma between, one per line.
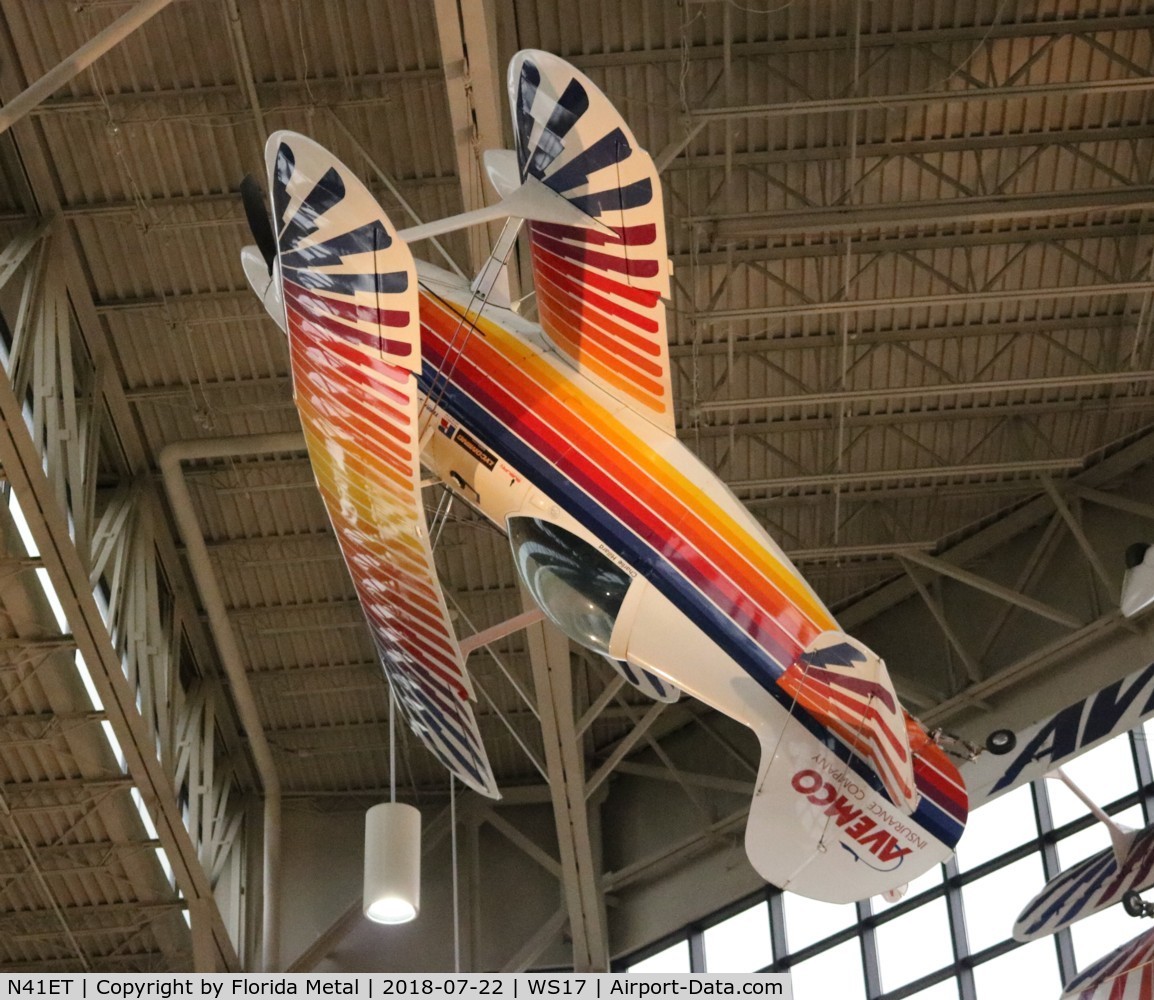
x=392, y=887
x=1138, y=584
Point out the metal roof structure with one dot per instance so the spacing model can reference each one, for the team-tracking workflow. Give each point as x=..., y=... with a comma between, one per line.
x=911, y=329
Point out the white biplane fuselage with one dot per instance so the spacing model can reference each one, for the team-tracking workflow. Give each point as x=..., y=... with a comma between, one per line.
x=562, y=435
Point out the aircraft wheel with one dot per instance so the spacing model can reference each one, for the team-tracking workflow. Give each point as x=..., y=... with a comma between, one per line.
x=1133, y=904
x=1001, y=741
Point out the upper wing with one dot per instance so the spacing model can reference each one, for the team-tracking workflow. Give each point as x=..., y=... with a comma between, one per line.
x=599, y=286
x=350, y=295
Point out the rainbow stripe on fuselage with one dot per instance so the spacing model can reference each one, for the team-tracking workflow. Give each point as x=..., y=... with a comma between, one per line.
x=568, y=439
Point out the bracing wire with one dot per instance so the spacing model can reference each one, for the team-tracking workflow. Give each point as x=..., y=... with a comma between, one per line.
x=467, y=325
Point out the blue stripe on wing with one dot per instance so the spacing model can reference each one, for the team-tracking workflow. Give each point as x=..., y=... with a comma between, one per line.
x=370, y=237
x=570, y=106
x=347, y=284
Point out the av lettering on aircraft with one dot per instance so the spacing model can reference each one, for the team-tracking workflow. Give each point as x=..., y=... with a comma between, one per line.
x=854, y=822
x=1117, y=707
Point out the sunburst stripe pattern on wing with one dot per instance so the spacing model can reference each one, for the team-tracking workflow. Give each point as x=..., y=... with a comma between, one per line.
x=403, y=611
x=1126, y=973
x=351, y=301
x=619, y=327
x=599, y=287
x=1088, y=887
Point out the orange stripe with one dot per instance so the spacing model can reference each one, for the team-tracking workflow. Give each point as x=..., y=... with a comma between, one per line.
x=590, y=354
x=585, y=327
x=712, y=531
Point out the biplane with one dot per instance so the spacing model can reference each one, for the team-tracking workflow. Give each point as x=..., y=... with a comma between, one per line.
x=561, y=432
x=1127, y=973
x=1117, y=874
x=1120, y=872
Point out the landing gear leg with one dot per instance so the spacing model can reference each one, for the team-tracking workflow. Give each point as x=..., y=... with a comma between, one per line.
x=955, y=745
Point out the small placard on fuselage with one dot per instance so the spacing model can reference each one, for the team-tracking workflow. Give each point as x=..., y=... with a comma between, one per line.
x=475, y=448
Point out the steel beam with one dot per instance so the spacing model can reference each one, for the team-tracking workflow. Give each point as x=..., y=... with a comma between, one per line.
x=937, y=212
x=947, y=390
x=1089, y=134
x=466, y=32
x=761, y=345
x=184, y=511
x=244, y=73
x=1010, y=596
x=56, y=491
x=717, y=835
x=1053, y=236
x=839, y=307
x=1021, y=519
x=364, y=89
x=709, y=781
x=16, y=108
x=825, y=481
x=623, y=747
x=532, y=949
x=135, y=961
x=934, y=98
x=552, y=679
x=522, y=842
x=835, y=41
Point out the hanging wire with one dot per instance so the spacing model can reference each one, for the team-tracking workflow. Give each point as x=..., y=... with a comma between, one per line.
x=847, y=282
x=456, y=900
x=392, y=744
x=454, y=350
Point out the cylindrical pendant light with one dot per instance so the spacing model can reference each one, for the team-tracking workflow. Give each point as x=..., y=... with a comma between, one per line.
x=392, y=887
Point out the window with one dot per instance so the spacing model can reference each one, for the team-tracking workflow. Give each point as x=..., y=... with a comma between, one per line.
x=996, y=827
x=675, y=958
x=993, y=903
x=998, y=869
x=1105, y=773
x=808, y=920
x=1035, y=963
x=833, y=973
x=914, y=944
x=741, y=943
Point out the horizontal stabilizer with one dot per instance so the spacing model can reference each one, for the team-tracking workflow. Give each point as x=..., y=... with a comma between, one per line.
x=847, y=687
